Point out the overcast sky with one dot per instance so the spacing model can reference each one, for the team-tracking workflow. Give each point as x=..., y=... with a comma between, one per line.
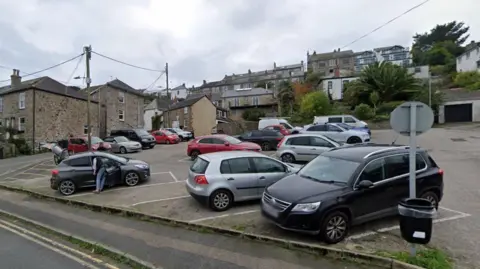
x=203, y=39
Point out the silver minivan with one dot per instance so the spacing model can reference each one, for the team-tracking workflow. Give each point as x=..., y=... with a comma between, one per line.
x=304, y=147
x=219, y=179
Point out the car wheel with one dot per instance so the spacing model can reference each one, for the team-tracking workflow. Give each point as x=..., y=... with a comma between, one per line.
x=221, y=200
x=354, y=140
x=288, y=158
x=123, y=150
x=432, y=197
x=167, y=142
x=132, y=179
x=194, y=154
x=265, y=146
x=334, y=227
x=67, y=187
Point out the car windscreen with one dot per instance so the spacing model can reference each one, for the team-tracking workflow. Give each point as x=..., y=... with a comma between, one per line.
x=167, y=132
x=141, y=132
x=232, y=140
x=199, y=166
x=286, y=125
x=324, y=168
x=345, y=126
x=121, y=139
x=178, y=130
x=96, y=140
x=114, y=157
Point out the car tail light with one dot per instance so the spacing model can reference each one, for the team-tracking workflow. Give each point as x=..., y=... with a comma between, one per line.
x=279, y=138
x=54, y=172
x=201, y=180
x=440, y=171
x=280, y=143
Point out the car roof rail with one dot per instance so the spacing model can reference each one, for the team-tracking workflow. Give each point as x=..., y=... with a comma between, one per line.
x=380, y=151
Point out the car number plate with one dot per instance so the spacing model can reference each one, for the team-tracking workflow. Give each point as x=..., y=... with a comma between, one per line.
x=270, y=210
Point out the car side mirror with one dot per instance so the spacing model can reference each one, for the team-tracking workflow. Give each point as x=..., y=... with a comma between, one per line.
x=365, y=184
x=227, y=144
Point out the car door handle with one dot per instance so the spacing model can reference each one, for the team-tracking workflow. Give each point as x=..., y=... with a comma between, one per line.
x=262, y=178
x=231, y=178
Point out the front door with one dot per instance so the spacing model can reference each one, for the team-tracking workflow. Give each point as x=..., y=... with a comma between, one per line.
x=239, y=173
x=301, y=146
x=268, y=171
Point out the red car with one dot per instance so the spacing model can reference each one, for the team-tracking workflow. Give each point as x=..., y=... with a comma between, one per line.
x=278, y=128
x=165, y=137
x=80, y=144
x=215, y=143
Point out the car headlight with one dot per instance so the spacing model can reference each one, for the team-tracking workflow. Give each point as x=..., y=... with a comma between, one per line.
x=310, y=207
x=141, y=166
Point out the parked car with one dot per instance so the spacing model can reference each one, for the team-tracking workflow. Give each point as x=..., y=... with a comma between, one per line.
x=220, y=179
x=338, y=133
x=184, y=135
x=264, y=122
x=350, y=127
x=215, y=143
x=304, y=147
x=121, y=144
x=349, y=186
x=348, y=119
x=281, y=129
x=80, y=144
x=267, y=139
x=165, y=137
x=76, y=172
x=139, y=135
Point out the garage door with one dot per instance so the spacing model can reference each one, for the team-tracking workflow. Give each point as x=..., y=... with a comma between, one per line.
x=458, y=113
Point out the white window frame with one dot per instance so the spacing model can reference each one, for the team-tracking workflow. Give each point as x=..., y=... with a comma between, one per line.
x=236, y=101
x=1, y=104
x=121, y=97
x=121, y=115
x=21, y=126
x=185, y=123
x=255, y=100
x=185, y=110
x=21, y=100
x=329, y=85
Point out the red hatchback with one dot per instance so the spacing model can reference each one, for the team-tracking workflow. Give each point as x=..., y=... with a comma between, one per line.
x=79, y=144
x=215, y=143
x=165, y=137
x=279, y=128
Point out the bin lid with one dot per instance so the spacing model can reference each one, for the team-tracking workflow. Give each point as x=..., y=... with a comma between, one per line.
x=416, y=203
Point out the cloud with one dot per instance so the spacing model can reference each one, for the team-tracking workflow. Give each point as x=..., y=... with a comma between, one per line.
x=203, y=39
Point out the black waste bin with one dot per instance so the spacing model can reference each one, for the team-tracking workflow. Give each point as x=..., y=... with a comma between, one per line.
x=416, y=220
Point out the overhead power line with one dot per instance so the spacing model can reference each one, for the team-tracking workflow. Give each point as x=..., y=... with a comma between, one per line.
x=127, y=64
x=386, y=23
x=48, y=68
x=155, y=81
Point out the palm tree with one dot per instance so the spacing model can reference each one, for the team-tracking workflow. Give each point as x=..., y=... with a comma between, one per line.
x=391, y=82
x=286, y=96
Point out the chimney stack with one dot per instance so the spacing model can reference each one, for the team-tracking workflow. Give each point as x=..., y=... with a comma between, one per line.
x=16, y=79
x=274, y=65
x=204, y=82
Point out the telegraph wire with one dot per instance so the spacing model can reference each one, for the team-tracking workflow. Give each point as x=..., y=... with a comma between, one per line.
x=155, y=81
x=124, y=63
x=386, y=23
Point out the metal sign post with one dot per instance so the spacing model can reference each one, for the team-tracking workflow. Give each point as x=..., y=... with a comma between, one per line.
x=412, y=119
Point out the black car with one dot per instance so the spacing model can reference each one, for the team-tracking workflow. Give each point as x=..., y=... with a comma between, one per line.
x=76, y=172
x=349, y=186
x=267, y=139
x=139, y=135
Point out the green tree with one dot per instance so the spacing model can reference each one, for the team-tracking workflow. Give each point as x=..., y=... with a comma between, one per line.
x=453, y=32
x=374, y=99
x=286, y=97
x=253, y=114
x=314, y=104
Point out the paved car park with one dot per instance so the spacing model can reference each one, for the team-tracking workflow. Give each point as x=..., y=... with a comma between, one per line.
x=456, y=151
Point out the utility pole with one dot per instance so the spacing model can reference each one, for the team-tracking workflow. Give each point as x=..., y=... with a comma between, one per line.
x=429, y=89
x=168, y=96
x=88, y=80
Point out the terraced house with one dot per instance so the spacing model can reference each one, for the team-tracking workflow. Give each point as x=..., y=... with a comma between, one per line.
x=119, y=106
x=239, y=100
x=43, y=109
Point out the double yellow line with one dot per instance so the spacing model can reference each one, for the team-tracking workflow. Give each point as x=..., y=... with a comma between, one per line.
x=71, y=253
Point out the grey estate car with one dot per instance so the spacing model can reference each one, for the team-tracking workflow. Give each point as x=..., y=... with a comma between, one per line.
x=219, y=179
x=121, y=144
x=304, y=147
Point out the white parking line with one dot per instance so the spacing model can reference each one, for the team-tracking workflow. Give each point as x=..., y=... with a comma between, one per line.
x=185, y=160
x=224, y=216
x=161, y=200
x=33, y=174
x=158, y=173
x=273, y=154
x=33, y=178
x=460, y=215
x=174, y=177
x=130, y=188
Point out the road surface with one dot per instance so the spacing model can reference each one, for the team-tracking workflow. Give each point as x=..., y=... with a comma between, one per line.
x=18, y=163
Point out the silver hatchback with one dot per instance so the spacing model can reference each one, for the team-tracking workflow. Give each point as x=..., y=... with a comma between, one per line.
x=222, y=178
x=304, y=147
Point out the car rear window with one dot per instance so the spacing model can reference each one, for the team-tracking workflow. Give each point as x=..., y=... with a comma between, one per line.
x=199, y=166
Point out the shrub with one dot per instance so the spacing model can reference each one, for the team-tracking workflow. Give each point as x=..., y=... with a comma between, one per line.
x=363, y=112
x=388, y=107
x=21, y=145
x=466, y=79
x=253, y=114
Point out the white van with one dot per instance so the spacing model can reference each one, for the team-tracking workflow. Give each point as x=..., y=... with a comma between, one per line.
x=265, y=122
x=348, y=119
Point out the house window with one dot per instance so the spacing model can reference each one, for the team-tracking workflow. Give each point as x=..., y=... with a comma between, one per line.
x=85, y=129
x=7, y=123
x=21, y=124
x=1, y=122
x=121, y=115
x=255, y=100
x=478, y=64
x=121, y=97
x=21, y=100
x=330, y=86
x=224, y=114
x=346, y=61
x=185, y=123
x=418, y=70
x=331, y=62
x=185, y=110
x=1, y=104
x=236, y=101
x=391, y=57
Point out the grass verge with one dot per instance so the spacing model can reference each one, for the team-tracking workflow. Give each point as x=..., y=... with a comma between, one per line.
x=429, y=258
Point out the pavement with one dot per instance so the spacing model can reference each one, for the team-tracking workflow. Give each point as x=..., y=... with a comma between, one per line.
x=29, y=249
x=455, y=149
x=164, y=246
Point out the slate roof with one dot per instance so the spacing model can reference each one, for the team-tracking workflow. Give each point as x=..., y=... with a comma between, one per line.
x=242, y=93
x=118, y=84
x=460, y=94
x=330, y=55
x=46, y=84
x=185, y=103
x=159, y=103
